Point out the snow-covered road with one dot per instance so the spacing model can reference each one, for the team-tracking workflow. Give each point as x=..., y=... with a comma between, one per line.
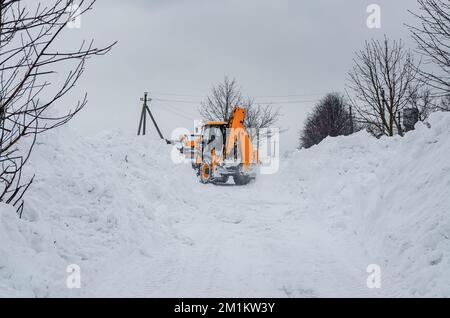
x=239, y=242
x=138, y=225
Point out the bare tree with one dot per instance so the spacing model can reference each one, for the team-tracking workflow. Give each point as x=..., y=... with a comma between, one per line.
x=220, y=103
x=330, y=117
x=423, y=101
x=226, y=95
x=31, y=67
x=383, y=75
x=259, y=116
x=433, y=40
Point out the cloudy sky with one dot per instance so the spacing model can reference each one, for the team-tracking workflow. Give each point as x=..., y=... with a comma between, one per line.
x=285, y=52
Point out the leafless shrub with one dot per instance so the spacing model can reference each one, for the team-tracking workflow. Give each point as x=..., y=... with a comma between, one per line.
x=330, y=117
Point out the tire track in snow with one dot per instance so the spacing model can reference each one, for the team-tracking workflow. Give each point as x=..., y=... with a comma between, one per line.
x=240, y=242
x=249, y=247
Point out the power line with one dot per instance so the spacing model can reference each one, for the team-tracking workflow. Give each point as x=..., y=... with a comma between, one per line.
x=180, y=95
x=256, y=101
x=181, y=113
x=288, y=96
x=287, y=102
x=172, y=112
x=256, y=96
x=182, y=100
x=176, y=111
x=178, y=101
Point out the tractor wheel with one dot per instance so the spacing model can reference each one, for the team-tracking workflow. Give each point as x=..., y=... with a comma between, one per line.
x=205, y=172
x=240, y=179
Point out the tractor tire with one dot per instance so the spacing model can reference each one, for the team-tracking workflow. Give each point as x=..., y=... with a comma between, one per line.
x=205, y=172
x=241, y=179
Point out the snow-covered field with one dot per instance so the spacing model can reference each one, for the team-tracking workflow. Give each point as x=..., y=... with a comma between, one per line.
x=138, y=225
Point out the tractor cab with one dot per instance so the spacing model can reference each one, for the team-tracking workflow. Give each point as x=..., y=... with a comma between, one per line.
x=214, y=135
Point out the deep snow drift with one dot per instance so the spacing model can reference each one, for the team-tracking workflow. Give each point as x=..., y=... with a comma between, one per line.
x=139, y=225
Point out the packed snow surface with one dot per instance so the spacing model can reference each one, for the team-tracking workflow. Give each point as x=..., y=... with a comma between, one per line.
x=139, y=225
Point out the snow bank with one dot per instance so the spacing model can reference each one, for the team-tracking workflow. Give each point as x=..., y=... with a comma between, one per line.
x=92, y=199
x=392, y=195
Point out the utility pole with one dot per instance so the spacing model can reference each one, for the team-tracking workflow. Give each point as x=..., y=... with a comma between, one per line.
x=143, y=121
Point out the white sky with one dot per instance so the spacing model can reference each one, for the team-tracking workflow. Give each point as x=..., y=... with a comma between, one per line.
x=272, y=47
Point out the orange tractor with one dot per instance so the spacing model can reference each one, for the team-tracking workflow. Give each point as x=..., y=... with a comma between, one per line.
x=225, y=150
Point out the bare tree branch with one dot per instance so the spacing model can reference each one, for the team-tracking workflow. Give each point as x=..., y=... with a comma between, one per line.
x=433, y=41
x=29, y=59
